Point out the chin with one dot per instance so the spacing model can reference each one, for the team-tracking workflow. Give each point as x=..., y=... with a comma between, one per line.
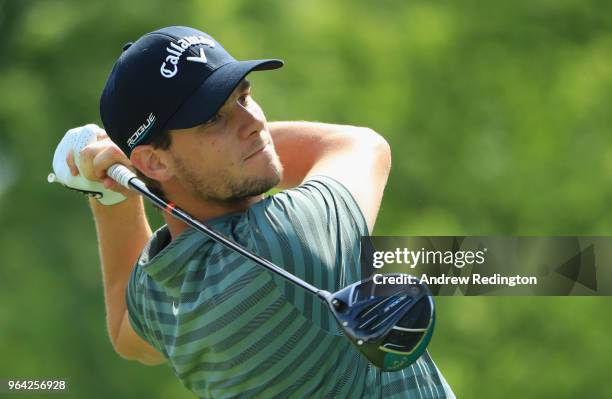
x=271, y=170
x=267, y=180
x=257, y=182
x=262, y=174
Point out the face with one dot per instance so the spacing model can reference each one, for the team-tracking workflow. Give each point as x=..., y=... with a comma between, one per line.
x=229, y=158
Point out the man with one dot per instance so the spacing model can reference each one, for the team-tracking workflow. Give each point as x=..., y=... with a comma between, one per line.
x=178, y=109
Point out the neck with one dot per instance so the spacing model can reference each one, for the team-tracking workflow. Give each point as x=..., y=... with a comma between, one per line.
x=206, y=210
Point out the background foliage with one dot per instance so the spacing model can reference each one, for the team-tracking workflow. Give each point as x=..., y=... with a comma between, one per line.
x=498, y=115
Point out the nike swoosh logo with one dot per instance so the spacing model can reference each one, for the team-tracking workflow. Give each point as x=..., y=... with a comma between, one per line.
x=201, y=59
x=175, y=309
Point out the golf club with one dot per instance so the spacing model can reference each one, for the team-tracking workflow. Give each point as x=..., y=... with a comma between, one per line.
x=390, y=324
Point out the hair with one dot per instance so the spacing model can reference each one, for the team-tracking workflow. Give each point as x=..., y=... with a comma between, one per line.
x=161, y=141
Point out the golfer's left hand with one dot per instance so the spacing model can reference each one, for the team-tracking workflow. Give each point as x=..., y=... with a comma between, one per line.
x=78, y=162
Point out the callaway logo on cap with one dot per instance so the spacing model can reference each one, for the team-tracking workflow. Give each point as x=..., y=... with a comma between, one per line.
x=173, y=78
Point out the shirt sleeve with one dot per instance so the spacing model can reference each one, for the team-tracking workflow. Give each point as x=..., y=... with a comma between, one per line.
x=136, y=308
x=313, y=231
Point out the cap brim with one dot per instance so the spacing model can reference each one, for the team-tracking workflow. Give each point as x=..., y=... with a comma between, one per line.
x=204, y=103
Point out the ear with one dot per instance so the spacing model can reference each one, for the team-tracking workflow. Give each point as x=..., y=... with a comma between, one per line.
x=152, y=162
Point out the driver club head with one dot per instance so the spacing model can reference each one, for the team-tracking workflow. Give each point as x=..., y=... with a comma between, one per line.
x=391, y=324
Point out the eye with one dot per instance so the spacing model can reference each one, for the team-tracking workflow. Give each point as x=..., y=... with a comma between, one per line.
x=244, y=99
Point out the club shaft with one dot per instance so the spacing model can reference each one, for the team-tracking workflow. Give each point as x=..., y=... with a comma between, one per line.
x=128, y=179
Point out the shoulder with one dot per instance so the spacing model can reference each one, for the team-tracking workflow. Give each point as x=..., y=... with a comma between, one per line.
x=320, y=199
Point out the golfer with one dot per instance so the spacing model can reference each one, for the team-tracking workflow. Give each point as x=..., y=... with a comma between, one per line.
x=179, y=110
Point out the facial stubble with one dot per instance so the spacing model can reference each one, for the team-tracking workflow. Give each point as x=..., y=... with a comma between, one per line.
x=224, y=188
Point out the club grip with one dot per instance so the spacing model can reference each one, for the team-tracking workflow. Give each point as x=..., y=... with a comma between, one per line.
x=121, y=174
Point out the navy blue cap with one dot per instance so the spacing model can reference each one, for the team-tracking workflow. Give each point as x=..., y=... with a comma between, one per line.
x=173, y=78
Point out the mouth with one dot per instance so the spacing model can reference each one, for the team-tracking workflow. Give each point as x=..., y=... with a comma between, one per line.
x=258, y=150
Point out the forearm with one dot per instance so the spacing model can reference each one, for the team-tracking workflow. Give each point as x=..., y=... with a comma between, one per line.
x=301, y=145
x=123, y=231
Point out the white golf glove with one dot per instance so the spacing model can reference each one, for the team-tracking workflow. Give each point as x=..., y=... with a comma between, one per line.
x=75, y=140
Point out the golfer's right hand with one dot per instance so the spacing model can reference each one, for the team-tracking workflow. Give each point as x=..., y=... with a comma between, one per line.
x=81, y=160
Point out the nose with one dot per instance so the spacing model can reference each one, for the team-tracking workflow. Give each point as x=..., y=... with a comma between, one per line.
x=252, y=120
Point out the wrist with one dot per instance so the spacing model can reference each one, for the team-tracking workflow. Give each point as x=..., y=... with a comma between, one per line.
x=132, y=201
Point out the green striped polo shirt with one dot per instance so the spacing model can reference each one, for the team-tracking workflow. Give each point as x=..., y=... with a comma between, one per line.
x=229, y=328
